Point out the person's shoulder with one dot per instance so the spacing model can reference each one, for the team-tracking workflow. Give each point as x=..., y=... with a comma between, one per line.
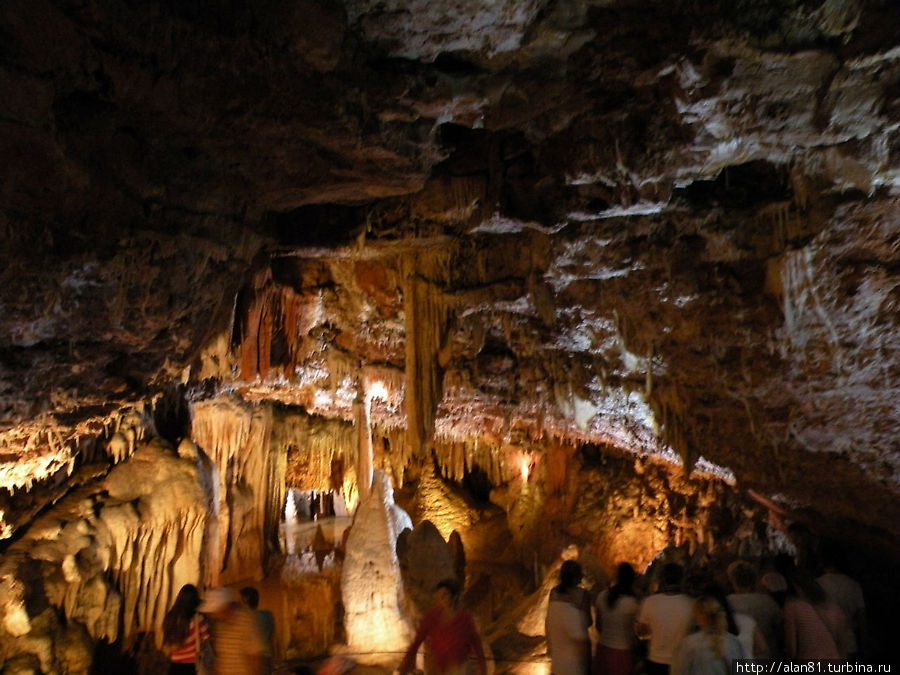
x=692, y=641
x=627, y=602
x=733, y=646
x=582, y=597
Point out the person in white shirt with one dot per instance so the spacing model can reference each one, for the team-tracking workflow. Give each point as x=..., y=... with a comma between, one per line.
x=567, y=623
x=616, y=608
x=747, y=600
x=711, y=650
x=847, y=593
x=665, y=618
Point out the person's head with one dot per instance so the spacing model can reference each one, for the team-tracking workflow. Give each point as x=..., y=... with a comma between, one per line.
x=218, y=602
x=802, y=584
x=710, y=614
x=177, y=620
x=250, y=597
x=784, y=564
x=624, y=584
x=625, y=575
x=833, y=556
x=672, y=577
x=742, y=576
x=800, y=534
x=716, y=591
x=447, y=592
x=187, y=601
x=569, y=575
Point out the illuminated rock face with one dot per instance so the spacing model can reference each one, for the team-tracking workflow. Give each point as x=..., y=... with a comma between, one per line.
x=375, y=614
x=110, y=556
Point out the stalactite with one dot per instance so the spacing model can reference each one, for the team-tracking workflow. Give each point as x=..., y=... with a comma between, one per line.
x=343, y=369
x=457, y=456
x=238, y=439
x=671, y=406
x=783, y=222
x=395, y=461
x=320, y=441
x=292, y=307
x=258, y=322
x=426, y=312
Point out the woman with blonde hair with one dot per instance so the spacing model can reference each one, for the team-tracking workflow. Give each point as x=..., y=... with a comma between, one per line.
x=712, y=649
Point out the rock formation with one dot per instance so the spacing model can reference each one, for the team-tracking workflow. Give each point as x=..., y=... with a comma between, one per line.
x=371, y=584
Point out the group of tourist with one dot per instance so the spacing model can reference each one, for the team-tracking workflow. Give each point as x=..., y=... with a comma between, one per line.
x=222, y=633
x=695, y=628
x=686, y=626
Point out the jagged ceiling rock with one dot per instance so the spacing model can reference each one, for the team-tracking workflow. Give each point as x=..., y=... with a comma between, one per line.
x=670, y=228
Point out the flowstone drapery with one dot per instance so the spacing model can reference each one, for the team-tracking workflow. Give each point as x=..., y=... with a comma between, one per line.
x=104, y=563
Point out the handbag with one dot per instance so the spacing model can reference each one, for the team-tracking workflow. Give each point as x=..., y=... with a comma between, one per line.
x=204, y=655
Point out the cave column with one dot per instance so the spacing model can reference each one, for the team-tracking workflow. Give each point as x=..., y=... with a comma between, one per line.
x=362, y=413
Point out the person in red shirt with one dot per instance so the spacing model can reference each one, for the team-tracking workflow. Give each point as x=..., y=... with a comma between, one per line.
x=184, y=631
x=450, y=637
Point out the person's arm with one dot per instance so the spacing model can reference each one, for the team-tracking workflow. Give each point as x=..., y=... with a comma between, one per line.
x=409, y=659
x=254, y=646
x=255, y=664
x=585, y=607
x=641, y=626
x=477, y=647
x=683, y=660
x=760, y=647
x=790, y=631
x=858, y=624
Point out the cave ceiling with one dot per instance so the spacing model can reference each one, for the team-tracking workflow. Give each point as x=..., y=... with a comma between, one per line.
x=668, y=228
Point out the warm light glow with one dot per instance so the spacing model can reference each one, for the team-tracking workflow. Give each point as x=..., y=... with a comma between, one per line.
x=6, y=529
x=377, y=390
x=524, y=467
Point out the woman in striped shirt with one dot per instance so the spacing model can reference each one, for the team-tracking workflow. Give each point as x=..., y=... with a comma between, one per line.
x=184, y=629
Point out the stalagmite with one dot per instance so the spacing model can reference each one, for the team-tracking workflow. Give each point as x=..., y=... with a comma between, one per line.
x=427, y=559
x=371, y=583
x=291, y=524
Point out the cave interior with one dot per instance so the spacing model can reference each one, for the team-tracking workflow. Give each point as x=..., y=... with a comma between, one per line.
x=292, y=291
